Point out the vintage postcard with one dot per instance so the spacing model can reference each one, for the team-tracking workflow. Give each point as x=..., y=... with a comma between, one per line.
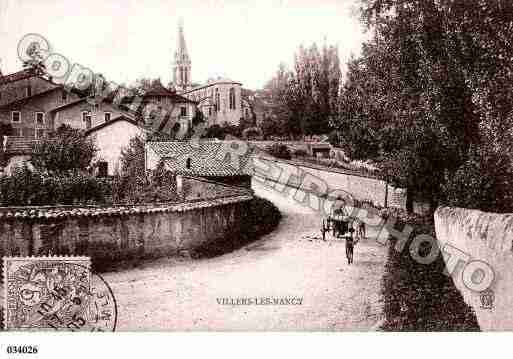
x=285, y=166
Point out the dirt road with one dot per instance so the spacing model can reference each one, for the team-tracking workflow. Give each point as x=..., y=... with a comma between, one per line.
x=179, y=294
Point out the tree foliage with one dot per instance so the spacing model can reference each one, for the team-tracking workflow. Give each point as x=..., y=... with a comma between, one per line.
x=306, y=98
x=252, y=133
x=67, y=149
x=133, y=184
x=26, y=187
x=428, y=89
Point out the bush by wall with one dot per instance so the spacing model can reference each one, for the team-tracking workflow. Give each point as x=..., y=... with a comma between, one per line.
x=158, y=185
x=279, y=150
x=300, y=153
x=26, y=187
x=420, y=297
x=260, y=218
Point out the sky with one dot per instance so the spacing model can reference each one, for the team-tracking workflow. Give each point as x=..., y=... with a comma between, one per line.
x=128, y=39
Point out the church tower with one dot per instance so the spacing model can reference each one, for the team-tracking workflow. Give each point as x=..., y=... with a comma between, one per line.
x=182, y=63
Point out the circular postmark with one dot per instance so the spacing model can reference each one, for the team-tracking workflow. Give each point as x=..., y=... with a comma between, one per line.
x=58, y=295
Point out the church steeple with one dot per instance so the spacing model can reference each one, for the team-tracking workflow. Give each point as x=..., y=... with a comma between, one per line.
x=182, y=63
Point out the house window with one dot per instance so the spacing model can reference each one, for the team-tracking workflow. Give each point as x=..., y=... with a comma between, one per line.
x=159, y=99
x=188, y=164
x=64, y=96
x=29, y=91
x=232, y=99
x=40, y=118
x=40, y=133
x=103, y=169
x=86, y=117
x=217, y=106
x=210, y=111
x=107, y=116
x=15, y=116
x=16, y=132
x=183, y=111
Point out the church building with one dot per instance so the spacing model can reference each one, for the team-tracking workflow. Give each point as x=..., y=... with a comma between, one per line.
x=220, y=100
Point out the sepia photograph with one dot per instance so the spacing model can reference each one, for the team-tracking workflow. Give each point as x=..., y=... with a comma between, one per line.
x=255, y=166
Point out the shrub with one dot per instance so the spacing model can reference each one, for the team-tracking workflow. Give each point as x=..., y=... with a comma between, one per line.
x=482, y=182
x=32, y=187
x=252, y=133
x=279, y=150
x=135, y=185
x=66, y=149
x=301, y=153
x=263, y=217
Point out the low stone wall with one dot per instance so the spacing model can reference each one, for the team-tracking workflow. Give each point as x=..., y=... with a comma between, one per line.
x=149, y=230
x=474, y=237
x=362, y=188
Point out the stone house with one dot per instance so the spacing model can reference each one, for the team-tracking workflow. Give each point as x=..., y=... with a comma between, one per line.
x=210, y=160
x=26, y=101
x=220, y=101
x=84, y=114
x=111, y=137
x=163, y=109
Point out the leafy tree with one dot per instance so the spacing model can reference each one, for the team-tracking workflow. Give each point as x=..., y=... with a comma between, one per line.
x=133, y=184
x=426, y=90
x=252, y=133
x=215, y=131
x=142, y=85
x=307, y=97
x=35, y=63
x=279, y=150
x=5, y=130
x=198, y=118
x=66, y=149
x=232, y=130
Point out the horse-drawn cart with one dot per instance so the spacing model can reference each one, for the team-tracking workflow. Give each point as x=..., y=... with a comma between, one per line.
x=339, y=223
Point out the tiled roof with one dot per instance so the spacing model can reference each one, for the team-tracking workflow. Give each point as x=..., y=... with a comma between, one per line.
x=207, y=158
x=25, y=99
x=17, y=76
x=126, y=118
x=72, y=103
x=213, y=82
x=159, y=90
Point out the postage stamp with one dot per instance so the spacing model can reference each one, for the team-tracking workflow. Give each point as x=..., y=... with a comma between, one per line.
x=56, y=293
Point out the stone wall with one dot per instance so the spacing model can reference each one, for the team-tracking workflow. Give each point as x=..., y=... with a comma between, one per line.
x=475, y=237
x=200, y=188
x=362, y=188
x=146, y=230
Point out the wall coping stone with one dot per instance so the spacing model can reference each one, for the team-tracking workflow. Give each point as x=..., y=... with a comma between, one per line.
x=117, y=210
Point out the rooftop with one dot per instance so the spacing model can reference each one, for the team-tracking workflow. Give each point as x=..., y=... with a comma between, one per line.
x=159, y=90
x=17, y=76
x=206, y=158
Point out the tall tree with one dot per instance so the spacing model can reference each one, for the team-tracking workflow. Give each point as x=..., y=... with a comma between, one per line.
x=307, y=97
x=425, y=89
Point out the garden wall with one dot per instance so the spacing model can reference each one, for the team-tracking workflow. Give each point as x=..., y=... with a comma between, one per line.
x=481, y=237
x=362, y=188
x=122, y=231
